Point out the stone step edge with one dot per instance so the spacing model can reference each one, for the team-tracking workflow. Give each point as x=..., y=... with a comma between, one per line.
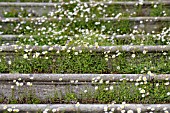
x=14, y=37
x=43, y=19
x=47, y=4
x=83, y=77
x=88, y=108
x=108, y=49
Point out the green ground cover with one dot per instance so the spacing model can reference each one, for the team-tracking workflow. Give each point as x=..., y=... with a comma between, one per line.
x=77, y=62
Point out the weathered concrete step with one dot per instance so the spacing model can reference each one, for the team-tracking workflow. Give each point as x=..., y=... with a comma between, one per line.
x=39, y=9
x=113, y=40
x=81, y=77
x=164, y=2
x=69, y=0
x=147, y=24
x=46, y=86
x=89, y=108
x=123, y=48
x=133, y=19
x=125, y=36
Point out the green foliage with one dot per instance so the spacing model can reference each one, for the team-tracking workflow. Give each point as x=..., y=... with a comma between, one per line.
x=120, y=93
x=86, y=62
x=70, y=97
x=159, y=10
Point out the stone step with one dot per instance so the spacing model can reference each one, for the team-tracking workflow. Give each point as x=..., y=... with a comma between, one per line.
x=125, y=25
x=57, y=86
x=43, y=92
x=88, y=108
x=133, y=19
x=86, y=78
x=69, y=0
x=101, y=61
x=125, y=36
x=112, y=49
x=111, y=40
x=41, y=9
x=165, y=2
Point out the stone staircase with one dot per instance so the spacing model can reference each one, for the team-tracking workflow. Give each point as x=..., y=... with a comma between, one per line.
x=88, y=56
